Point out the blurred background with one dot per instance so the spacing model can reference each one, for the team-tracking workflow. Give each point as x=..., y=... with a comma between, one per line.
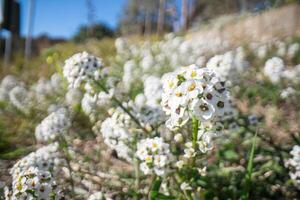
x=255, y=44
x=30, y=26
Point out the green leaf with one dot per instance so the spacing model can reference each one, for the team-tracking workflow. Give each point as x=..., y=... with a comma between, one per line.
x=231, y=155
x=248, y=176
x=251, y=157
x=153, y=194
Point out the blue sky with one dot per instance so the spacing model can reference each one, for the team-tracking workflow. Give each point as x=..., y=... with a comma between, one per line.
x=61, y=18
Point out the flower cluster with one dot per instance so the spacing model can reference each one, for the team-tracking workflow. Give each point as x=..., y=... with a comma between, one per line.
x=7, y=84
x=81, y=67
x=194, y=92
x=33, y=175
x=15, y=92
x=283, y=48
x=155, y=156
x=229, y=65
x=149, y=116
x=45, y=89
x=294, y=165
x=19, y=97
x=163, y=56
x=92, y=102
x=53, y=125
x=34, y=183
x=152, y=91
x=273, y=69
x=287, y=92
x=46, y=158
x=73, y=97
x=292, y=74
x=116, y=131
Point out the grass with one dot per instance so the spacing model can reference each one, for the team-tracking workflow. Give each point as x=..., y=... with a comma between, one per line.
x=249, y=171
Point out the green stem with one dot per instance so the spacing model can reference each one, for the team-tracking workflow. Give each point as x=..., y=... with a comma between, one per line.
x=119, y=103
x=195, y=137
x=154, y=187
x=195, y=132
x=187, y=195
x=151, y=186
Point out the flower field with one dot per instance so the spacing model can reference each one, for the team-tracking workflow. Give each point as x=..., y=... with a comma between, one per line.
x=168, y=118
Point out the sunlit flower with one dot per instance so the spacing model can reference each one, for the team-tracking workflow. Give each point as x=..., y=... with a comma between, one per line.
x=185, y=186
x=55, y=124
x=273, y=69
x=81, y=67
x=154, y=155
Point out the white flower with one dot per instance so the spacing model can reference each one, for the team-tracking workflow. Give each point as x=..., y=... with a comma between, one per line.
x=152, y=90
x=19, y=97
x=96, y=196
x=7, y=84
x=89, y=103
x=203, y=110
x=229, y=65
x=205, y=143
x=31, y=184
x=46, y=158
x=155, y=156
x=189, y=151
x=128, y=73
x=55, y=124
x=147, y=62
x=81, y=67
x=149, y=116
x=273, y=69
x=180, y=164
x=140, y=100
x=193, y=92
x=178, y=138
x=293, y=49
x=73, y=97
x=262, y=51
x=294, y=165
x=56, y=82
x=116, y=133
x=281, y=48
x=202, y=171
x=287, y=92
x=185, y=186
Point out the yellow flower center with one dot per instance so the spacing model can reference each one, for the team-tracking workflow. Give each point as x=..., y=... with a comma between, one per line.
x=154, y=145
x=19, y=186
x=148, y=159
x=193, y=74
x=171, y=84
x=192, y=87
x=178, y=94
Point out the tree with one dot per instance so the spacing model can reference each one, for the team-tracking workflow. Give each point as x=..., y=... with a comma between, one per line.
x=145, y=17
x=184, y=14
x=100, y=31
x=161, y=17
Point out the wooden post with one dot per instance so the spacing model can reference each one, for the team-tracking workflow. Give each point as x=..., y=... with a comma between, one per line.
x=7, y=50
x=148, y=22
x=161, y=17
x=28, y=42
x=184, y=13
